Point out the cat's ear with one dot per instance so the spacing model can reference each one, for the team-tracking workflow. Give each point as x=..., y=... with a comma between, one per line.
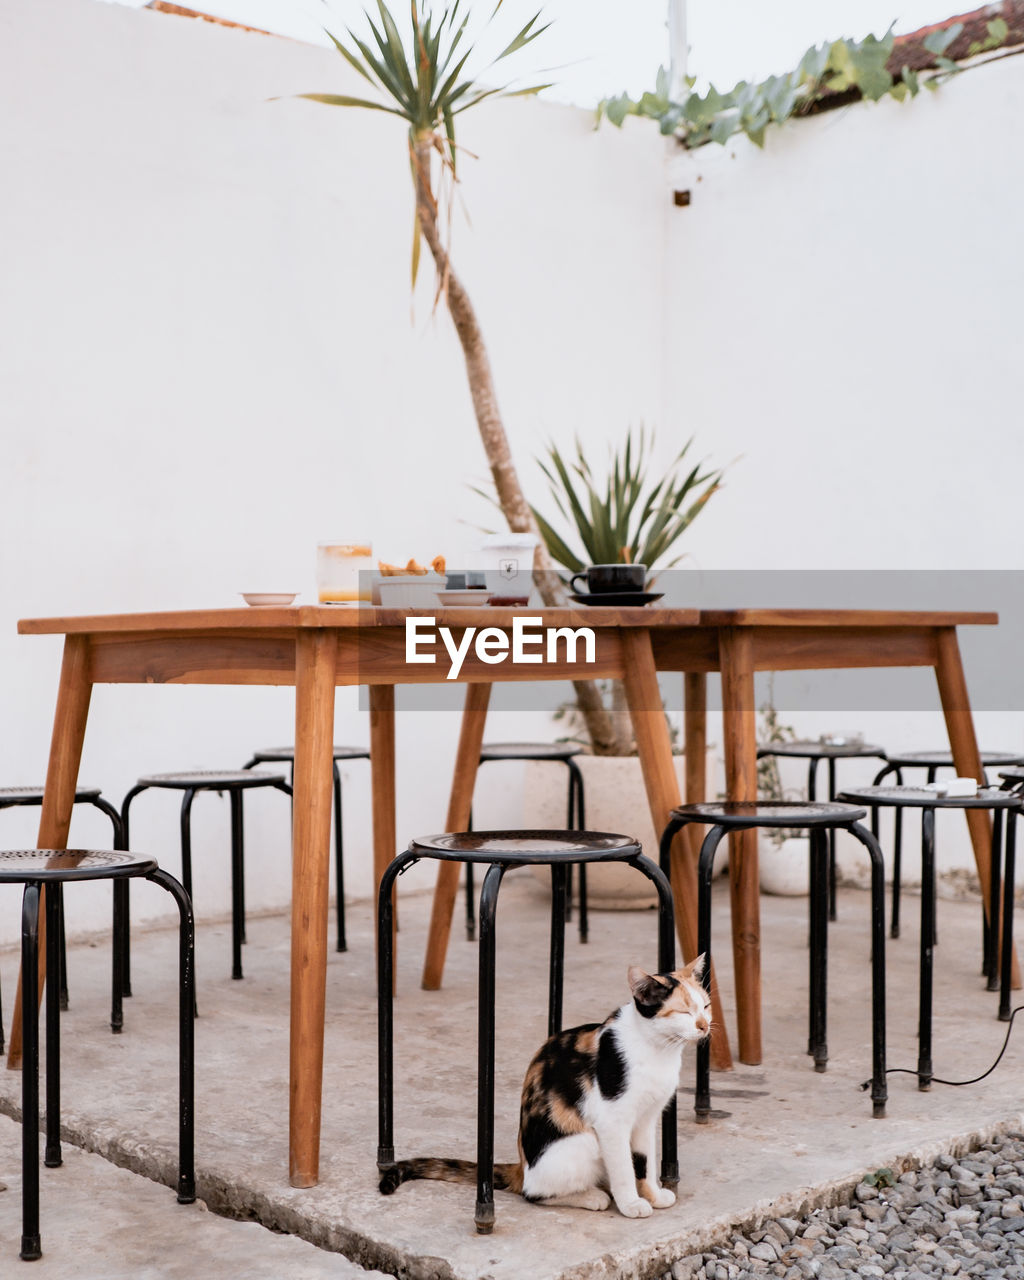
x=695, y=969
x=648, y=990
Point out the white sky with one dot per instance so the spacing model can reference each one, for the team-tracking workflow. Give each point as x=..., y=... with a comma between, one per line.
x=601, y=47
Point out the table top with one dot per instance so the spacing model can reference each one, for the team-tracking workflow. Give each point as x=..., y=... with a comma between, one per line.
x=294, y=617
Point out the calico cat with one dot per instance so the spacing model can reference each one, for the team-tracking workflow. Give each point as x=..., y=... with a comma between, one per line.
x=592, y=1099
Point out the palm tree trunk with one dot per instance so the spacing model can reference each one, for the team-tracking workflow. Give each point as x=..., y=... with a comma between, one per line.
x=492, y=433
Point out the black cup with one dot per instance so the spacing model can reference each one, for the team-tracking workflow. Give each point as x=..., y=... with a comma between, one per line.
x=607, y=579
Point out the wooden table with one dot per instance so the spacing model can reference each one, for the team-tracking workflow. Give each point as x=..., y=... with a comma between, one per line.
x=316, y=648
x=738, y=642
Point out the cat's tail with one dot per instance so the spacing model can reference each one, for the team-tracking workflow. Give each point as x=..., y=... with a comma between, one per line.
x=507, y=1177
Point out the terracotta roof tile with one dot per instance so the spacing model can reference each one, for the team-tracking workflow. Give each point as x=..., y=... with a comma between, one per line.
x=163, y=6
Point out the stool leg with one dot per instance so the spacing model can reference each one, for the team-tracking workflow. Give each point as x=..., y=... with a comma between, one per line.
x=1009, y=870
x=705, y=864
x=186, y=1035
x=924, y=1022
x=990, y=925
x=120, y=922
x=818, y=982
x=121, y=842
x=62, y=950
x=186, y=840
x=31, y=1246
x=897, y=871
x=666, y=963
x=556, y=967
x=385, y=1011
x=339, y=862
x=470, y=904
x=237, y=885
x=879, y=1090
x=470, y=893
x=484, y=1215
x=831, y=843
x=570, y=825
x=52, y=1157
x=580, y=817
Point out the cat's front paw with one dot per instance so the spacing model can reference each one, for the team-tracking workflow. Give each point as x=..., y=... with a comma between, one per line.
x=662, y=1198
x=634, y=1208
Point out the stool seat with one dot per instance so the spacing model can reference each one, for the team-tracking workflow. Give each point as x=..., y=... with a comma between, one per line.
x=19, y=866
x=529, y=751
x=944, y=759
x=922, y=798
x=737, y=815
x=812, y=749
x=34, y=795
x=213, y=779
x=526, y=848
x=287, y=754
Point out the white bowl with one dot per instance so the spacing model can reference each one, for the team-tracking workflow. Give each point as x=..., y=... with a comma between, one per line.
x=268, y=597
x=468, y=599
x=412, y=591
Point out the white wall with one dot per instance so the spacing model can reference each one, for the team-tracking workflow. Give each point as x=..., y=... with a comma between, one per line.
x=208, y=364
x=844, y=318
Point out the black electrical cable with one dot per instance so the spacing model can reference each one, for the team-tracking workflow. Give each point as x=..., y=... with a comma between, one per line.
x=908, y=1071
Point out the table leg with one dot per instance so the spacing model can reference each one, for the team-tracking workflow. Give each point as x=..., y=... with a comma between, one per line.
x=740, y=740
x=315, y=661
x=73, y=697
x=460, y=801
x=956, y=707
x=695, y=748
x=654, y=747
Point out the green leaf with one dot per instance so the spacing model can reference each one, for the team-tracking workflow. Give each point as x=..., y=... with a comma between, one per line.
x=912, y=80
x=998, y=30
x=523, y=38
x=938, y=42
x=342, y=100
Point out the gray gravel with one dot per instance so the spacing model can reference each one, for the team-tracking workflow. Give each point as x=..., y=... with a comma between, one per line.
x=957, y=1217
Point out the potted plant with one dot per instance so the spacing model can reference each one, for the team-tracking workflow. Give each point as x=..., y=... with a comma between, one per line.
x=623, y=516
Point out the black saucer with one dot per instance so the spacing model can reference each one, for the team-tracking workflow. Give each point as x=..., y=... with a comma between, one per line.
x=618, y=599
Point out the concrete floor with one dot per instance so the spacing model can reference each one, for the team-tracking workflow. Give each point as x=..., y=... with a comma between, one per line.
x=787, y=1139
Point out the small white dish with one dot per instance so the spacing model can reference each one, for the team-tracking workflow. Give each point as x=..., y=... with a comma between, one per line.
x=953, y=787
x=468, y=599
x=268, y=597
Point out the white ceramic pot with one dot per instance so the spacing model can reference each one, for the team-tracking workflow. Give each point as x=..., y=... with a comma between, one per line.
x=784, y=869
x=615, y=800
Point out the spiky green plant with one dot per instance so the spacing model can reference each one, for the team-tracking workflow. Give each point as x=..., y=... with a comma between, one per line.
x=424, y=76
x=622, y=517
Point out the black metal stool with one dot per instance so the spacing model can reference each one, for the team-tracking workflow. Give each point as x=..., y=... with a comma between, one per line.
x=928, y=801
x=815, y=752
x=39, y=869
x=286, y=755
x=1013, y=779
x=500, y=851
x=234, y=782
x=20, y=797
x=575, y=819
x=931, y=762
x=817, y=819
